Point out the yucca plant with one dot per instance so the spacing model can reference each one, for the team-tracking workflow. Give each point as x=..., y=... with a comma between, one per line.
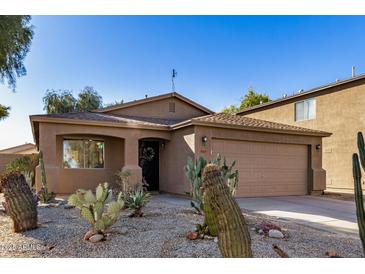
x=135, y=201
x=92, y=207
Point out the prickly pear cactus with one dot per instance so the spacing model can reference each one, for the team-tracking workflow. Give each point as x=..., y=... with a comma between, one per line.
x=233, y=236
x=92, y=207
x=360, y=213
x=19, y=202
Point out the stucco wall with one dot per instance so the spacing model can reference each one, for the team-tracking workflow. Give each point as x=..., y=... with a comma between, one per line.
x=173, y=158
x=342, y=114
x=316, y=175
x=160, y=109
x=121, y=149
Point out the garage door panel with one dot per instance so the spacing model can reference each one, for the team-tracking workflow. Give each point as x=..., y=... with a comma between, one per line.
x=266, y=169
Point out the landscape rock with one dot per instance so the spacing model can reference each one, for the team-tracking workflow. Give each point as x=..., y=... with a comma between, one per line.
x=273, y=233
x=96, y=238
x=88, y=235
x=44, y=205
x=123, y=230
x=192, y=235
x=216, y=239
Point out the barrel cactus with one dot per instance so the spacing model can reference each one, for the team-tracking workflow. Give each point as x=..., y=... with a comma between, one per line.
x=360, y=213
x=92, y=207
x=19, y=202
x=233, y=236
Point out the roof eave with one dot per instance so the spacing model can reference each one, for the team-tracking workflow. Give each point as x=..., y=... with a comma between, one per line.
x=306, y=93
x=94, y=123
x=260, y=129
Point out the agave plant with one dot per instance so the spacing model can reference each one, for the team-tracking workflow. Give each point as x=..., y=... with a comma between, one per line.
x=92, y=207
x=136, y=200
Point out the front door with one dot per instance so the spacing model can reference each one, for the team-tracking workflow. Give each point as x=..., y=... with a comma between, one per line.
x=149, y=162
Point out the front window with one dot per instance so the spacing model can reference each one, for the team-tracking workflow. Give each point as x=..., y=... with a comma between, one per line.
x=83, y=153
x=305, y=110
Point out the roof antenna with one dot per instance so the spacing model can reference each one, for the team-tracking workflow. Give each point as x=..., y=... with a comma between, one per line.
x=173, y=76
x=353, y=71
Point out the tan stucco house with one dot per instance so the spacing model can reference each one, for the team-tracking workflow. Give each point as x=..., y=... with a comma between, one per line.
x=337, y=108
x=153, y=137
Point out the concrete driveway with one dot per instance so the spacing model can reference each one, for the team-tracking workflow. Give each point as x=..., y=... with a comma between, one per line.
x=327, y=214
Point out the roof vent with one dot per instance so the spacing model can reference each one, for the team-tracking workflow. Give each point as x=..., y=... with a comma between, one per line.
x=145, y=96
x=285, y=95
x=353, y=71
x=301, y=90
x=337, y=80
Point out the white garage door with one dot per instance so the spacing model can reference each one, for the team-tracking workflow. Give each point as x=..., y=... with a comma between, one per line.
x=267, y=169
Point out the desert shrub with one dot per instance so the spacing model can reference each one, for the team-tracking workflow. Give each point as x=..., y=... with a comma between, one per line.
x=136, y=200
x=101, y=211
x=26, y=165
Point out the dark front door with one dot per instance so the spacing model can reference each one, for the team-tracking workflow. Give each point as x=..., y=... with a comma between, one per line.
x=149, y=162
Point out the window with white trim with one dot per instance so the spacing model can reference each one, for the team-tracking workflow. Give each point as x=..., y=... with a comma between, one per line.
x=83, y=153
x=305, y=110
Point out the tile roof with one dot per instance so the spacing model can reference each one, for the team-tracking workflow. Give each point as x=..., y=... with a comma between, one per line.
x=102, y=117
x=246, y=122
x=218, y=119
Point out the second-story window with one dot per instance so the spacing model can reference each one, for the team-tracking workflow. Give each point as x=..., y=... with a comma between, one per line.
x=305, y=110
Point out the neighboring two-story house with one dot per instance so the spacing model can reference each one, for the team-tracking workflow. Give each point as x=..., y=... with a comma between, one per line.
x=338, y=108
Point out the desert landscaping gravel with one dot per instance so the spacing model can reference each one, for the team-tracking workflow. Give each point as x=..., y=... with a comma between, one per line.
x=160, y=233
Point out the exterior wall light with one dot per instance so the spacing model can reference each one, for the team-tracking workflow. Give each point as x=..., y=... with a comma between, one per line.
x=204, y=139
x=318, y=146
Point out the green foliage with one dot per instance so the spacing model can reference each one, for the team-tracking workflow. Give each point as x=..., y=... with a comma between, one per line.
x=360, y=213
x=25, y=165
x=44, y=195
x=59, y=102
x=136, y=200
x=63, y=101
x=16, y=35
x=250, y=99
x=99, y=210
x=4, y=112
x=89, y=99
x=234, y=239
x=193, y=171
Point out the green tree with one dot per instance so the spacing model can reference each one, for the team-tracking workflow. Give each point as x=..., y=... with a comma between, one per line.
x=250, y=99
x=88, y=99
x=16, y=35
x=62, y=101
x=59, y=101
x=4, y=112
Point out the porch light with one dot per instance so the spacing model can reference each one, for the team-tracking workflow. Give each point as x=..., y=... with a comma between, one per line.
x=204, y=139
x=318, y=146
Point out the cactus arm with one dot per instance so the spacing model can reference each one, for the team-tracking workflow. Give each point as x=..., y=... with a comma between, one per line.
x=361, y=147
x=359, y=198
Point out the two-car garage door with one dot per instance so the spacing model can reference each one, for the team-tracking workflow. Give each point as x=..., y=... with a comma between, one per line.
x=267, y=169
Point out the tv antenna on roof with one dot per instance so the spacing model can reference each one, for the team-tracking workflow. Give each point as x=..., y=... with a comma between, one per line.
x=173, y=76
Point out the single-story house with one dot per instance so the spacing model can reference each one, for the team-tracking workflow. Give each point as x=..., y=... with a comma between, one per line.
x=9, y=154
x=153, y=138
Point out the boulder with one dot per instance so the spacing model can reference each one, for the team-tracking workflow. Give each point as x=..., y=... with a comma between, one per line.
x=96, y=238
x=273, y=233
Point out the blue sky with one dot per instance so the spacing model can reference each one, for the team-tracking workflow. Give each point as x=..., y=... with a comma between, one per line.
x=217, y=59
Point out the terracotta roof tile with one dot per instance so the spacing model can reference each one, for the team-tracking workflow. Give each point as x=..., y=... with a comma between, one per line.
x=246, y=122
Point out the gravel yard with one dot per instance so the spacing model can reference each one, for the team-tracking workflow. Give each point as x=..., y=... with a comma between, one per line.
x=160, y=233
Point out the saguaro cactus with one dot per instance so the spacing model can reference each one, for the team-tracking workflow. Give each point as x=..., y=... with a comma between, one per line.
x=360, y=213
x=19, y=202
x=233, y=236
